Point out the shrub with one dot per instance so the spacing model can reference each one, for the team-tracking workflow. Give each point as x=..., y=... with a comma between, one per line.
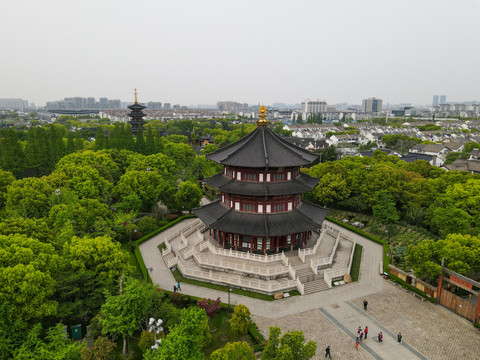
x=147, y=224
x=162, y=223
x=240, y=320
x=147, y=339
x=171, y=217
x=211, y=307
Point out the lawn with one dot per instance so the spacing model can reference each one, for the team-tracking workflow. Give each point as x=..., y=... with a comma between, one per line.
x=132, y=260
x=221, y=333
x=357, y=258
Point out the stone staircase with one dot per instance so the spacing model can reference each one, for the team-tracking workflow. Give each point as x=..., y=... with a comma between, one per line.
x=169, y=258
x=304, y=274
x=315, y=286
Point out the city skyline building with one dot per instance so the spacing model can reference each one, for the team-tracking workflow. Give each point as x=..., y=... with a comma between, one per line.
x=314, y=106
x=372, y=105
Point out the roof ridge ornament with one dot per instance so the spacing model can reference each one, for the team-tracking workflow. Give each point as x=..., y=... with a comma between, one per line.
x=135, y=93
x=262, y=114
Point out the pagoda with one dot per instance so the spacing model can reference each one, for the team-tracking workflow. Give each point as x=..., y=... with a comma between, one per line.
x=260, y=209
x=137, y=115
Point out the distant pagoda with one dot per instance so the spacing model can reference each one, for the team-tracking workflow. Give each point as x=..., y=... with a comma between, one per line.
x=137, y=115
x=261, y=208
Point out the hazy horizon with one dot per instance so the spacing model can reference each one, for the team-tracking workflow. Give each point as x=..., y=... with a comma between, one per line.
x=200, y=52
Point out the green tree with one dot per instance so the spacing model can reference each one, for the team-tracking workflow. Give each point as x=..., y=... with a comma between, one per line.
x=33, y=228
x=101, y=255
x=239, y=350
x=70, y=142
x=188, y=195
x=331, y=188
x=53, y=346
x=140, y=146
x=186, y=340
x=148, y=185
x=100, y=139
x=29, y=197
x=123, y=313
x=240, y=320
x=461, y=253
x=6, y=178
x=26, y=283
x=385, y=209
x=12, y=157
x=330, y=153
x=290, y=346
x=103, y=349
x=37, y=151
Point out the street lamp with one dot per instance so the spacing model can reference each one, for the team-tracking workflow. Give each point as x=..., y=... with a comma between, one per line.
x=229, y=290
x=156, y=328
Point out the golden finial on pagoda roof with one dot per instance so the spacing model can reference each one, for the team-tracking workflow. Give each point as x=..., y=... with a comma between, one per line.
x=135, y=93
x=262, y=114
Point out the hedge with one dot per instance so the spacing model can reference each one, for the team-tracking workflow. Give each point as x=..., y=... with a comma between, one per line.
x=386, y=248
x=255, y=334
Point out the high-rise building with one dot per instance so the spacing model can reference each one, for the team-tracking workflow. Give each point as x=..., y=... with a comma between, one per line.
x=314, y=107
x=372, y=105
x=231, y=106
x=167, y=106
x=439, y=99
x=13, y=104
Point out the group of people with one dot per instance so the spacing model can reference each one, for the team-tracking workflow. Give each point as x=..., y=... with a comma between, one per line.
x=177, y=287
x=361, y=333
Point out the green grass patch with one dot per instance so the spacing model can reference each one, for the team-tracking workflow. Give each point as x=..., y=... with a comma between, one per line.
x=162, y=246
x=357, y=258
x=221, y=333
x=132, y=259
x=179, y=277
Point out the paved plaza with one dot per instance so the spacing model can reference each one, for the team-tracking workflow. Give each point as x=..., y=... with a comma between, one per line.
x=332, y=317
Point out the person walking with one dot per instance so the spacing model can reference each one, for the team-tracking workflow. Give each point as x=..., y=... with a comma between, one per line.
x=174, y=288
x=178, y=286
x=380, y=337
x=399, y=338
x=361, y=335
x=365, y=304
x=356, y=343
x=327, y=352
x=366, y=332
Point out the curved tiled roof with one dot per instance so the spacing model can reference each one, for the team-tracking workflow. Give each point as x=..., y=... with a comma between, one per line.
x=298, y=185
x=262, y=148
x=306, y=216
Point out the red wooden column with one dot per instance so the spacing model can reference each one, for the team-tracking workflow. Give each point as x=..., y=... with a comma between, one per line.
x=439, y=288
x=223, y=238
x=477, y=314
x=235, y=240
x=277, y=240
x=264, y=245
x=292, y=240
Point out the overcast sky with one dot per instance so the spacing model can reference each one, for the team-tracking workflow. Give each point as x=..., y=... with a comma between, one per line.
x=202, y=51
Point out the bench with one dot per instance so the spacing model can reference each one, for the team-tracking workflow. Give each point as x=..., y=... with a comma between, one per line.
x=419, y=296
